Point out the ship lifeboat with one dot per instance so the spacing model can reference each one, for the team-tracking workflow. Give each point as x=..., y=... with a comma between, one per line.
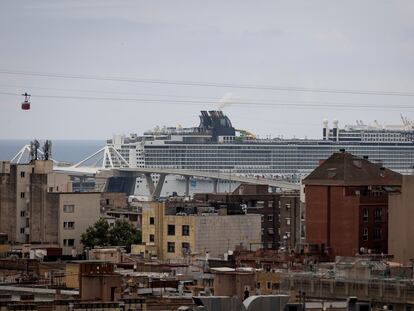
x=26, y=103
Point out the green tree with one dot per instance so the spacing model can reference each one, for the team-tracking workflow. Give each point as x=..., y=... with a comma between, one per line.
x=96, y=235
x=101, y=234
x=124, y=234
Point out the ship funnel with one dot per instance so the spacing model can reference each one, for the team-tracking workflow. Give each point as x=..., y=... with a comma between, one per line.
x=325, y=130
x=335, y=133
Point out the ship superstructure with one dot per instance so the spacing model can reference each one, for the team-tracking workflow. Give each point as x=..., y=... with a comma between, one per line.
x=215, y=145
x=375, y=132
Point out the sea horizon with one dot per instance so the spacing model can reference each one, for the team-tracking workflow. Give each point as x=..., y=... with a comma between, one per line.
x=63, y=150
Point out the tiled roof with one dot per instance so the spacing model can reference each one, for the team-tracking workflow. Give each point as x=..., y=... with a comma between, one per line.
x=346, y=169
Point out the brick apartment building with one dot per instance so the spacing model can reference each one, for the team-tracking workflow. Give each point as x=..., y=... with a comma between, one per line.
x=347, y=205
x=280, y=212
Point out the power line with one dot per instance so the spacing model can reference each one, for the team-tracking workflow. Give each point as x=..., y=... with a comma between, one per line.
x=217, y=100
x=210, y=84
x=275, y=104
x=198, y=99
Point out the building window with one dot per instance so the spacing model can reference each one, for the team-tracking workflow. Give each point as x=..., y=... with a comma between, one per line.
x=270, y=204
x=22, y=174
x=22, y=195
x=22, y=230
x=69, y=208
x=50, y=189
x=171, y=247
x=365, y=215
x=186, y=230
x=287, y=206
x=22, y=213
x=69, y=225
x=151, y=220
x=171, y=230
x=185, y=246
x=365, y=234
x=377, y=234
x=258, y=285
x=269, y=217
x=270, y=231
x=68, y=242
x=288, y=221
x=259, y=204
x=269, y=285
x=377, y=215
x=151, y=238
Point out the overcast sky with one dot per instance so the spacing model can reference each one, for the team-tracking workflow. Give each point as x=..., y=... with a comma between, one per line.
x=354, y=45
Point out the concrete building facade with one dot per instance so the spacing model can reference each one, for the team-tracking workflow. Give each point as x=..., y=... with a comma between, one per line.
x=25, y=213
x=400, y=218
x=180, y=235
x=37, y=206
x=76, y=212
x=280, y=212
x=231, y=282
x=116, y=206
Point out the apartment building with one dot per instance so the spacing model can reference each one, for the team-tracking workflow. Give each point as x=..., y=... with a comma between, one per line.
x=37, y=206
x=117, y=206
x=400, y=217
x=171, y=235
x=347, y=205
x=25, y=213
x=76, y=212
x=280, y=212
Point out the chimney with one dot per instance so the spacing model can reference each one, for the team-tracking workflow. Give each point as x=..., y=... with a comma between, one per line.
x=365, y=157
x=342, y=150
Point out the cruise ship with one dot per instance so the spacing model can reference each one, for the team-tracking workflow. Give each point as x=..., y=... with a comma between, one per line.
x=216, y=145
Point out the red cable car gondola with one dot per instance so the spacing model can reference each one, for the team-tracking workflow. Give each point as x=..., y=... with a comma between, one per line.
x=26, y=103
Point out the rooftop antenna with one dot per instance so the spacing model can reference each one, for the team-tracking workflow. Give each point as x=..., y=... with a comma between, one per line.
x=47, y=150
x=34, y=146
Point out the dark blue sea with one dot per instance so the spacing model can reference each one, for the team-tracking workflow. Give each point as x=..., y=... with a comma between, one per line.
x=71, y=151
